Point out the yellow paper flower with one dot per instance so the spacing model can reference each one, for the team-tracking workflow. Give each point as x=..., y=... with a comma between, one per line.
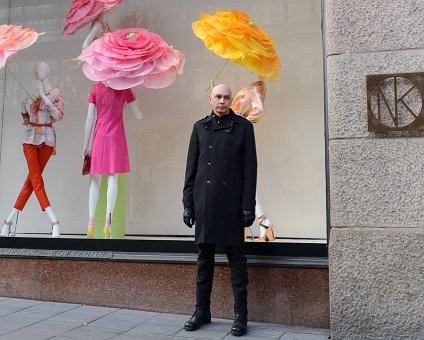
x=233, y=35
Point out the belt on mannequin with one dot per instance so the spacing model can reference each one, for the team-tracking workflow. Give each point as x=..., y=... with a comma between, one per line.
x=39, y=125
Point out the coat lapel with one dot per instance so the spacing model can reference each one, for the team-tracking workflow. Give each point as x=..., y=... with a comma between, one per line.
x=207, y=122
x=226, y=125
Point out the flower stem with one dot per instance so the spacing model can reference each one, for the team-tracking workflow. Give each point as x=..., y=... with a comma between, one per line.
x=212, y=83
x=105, y=25
x=20, y=83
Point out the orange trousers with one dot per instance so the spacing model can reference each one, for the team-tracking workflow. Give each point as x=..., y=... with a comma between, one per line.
x=37, y=157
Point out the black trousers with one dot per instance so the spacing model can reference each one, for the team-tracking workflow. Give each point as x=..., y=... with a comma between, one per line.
x=205, y=269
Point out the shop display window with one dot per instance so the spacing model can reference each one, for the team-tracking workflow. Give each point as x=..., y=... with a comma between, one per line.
x=289, y=137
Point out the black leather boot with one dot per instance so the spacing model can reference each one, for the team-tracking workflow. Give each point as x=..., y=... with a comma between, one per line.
x=198, y=319
x=240, y=325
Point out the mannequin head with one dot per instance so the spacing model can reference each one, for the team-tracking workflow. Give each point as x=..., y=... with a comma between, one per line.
x=41, y=70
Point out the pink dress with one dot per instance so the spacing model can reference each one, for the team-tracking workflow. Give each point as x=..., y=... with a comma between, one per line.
x=109, y=152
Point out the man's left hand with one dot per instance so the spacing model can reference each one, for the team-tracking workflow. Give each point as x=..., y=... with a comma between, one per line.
x=247, y=217
x=188, y=217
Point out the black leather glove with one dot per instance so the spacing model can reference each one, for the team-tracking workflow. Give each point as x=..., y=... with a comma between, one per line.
x=247, y=217
x=188, y=217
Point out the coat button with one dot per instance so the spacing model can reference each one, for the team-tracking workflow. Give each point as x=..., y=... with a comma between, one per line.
x=208, y=182
x=224, y=183
x=224, y=165
x=210, y=147
x=209, y=164
x=225, y=147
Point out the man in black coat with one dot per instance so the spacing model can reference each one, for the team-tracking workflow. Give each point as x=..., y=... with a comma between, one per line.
x=219, y=198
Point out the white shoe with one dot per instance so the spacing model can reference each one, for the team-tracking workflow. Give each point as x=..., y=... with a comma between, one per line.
x=6, y=229
x=55, y=229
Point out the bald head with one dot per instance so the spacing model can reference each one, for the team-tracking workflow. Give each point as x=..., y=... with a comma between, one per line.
x=221, y=88
x=220, y=99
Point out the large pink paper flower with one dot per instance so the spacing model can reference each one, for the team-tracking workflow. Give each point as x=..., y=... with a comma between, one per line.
x=13, y=39
x=132, y=57
x=83, y=12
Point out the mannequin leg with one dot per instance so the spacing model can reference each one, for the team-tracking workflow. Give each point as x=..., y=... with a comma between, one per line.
x=93, y=196
x=112, y=193
x=265, y=225
x=5, y=232
x=96, y=28
x=259, y=212
x=54, y=222
x=12, y=215
x=37, y=159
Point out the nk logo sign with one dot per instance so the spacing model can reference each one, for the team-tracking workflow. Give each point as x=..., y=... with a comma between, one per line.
x=395, y=102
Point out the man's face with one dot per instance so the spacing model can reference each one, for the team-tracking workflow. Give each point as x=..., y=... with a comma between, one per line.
x=220, y=99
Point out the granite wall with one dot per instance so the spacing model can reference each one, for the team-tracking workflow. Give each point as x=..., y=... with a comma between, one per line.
x=376, y=180
x=284, y=295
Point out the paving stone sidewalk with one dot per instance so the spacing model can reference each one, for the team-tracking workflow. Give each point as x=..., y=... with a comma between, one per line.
x=36, y=320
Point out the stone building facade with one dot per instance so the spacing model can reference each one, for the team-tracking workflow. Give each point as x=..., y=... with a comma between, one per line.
x=376, y=179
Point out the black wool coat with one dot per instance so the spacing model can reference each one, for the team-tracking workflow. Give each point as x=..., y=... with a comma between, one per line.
x=220, y=178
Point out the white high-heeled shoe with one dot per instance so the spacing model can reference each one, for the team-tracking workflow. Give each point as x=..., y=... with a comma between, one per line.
x=55, y=229
x=5, y=232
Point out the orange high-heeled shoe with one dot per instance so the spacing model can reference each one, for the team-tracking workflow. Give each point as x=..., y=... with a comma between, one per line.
x=269, y=233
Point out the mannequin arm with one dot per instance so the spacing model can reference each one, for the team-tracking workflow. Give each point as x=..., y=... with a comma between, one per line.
x=257, y=107
x=134, y=107
x=96, y=28
x=55, y=110
x=257, y=104
x=24, y=103
x=89, y=123
x=24, y=111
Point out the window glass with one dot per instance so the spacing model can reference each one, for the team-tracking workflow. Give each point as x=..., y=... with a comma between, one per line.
x=289, y=137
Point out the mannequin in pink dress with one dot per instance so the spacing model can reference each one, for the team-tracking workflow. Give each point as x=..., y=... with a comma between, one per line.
x=106, y=144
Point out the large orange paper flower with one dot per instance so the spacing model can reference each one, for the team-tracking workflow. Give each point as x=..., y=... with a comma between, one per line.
x=233, y=35
x=13, y=39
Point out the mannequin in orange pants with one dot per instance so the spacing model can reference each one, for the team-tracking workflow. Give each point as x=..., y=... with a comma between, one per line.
x=39, y=144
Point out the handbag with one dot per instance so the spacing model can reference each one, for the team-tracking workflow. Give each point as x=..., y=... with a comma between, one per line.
x=86, y=165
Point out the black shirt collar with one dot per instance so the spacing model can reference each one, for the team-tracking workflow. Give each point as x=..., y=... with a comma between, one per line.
x=221, y=119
